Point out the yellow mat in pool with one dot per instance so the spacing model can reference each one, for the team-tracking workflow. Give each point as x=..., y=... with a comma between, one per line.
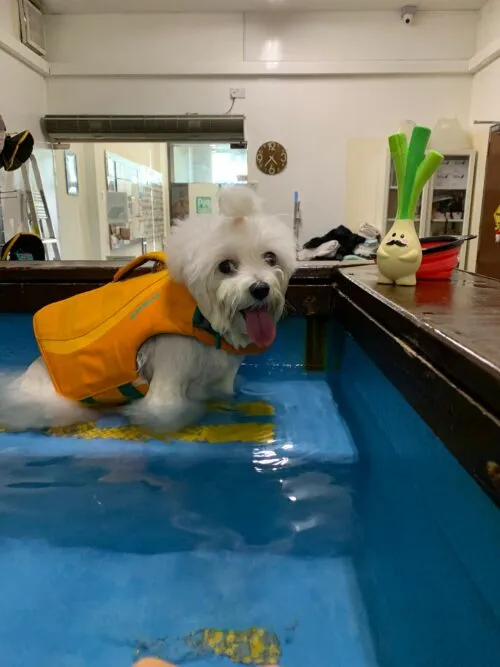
x=250, y=432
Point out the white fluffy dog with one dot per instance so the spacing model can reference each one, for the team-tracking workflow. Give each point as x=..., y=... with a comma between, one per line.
x=236, y=265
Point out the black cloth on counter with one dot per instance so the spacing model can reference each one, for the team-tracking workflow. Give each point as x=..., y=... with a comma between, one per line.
x=347, y=240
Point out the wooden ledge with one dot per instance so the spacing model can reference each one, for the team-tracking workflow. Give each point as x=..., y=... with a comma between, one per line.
x=455, y=324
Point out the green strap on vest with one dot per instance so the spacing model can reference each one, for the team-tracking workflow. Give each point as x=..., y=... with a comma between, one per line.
x=200, y=322
x=128, y=391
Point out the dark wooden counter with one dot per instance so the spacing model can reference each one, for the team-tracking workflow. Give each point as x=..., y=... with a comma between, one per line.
x=456, y=325
x=321, y=273
x=438, y=343
x=28, y=286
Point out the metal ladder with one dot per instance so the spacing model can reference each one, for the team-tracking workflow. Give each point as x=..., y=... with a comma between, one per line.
x=39, y=220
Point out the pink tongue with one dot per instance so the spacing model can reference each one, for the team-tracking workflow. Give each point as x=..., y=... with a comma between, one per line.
x=261, y=327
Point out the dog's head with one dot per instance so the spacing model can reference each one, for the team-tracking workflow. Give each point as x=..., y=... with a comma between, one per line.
x=236, y=264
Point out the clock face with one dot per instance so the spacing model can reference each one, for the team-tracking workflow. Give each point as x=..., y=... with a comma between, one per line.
x=271, y=158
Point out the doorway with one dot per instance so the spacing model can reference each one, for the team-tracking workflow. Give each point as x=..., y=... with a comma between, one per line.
x=488, y=257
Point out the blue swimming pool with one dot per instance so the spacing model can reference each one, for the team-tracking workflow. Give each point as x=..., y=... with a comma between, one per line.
x=318, y=507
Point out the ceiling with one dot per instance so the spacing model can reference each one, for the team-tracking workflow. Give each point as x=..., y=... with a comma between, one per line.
x=140, y=6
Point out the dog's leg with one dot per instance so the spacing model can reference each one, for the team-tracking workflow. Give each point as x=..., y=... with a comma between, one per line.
x=224, y=387
x=171, y=364
x=163, y=410
x=31, y=402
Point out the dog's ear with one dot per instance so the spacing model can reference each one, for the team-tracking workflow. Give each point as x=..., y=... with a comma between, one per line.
x=178, y=249
x=188, y=245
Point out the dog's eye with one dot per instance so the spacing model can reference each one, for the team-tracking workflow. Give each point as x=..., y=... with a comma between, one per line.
x=270, y=258
x=227, y=266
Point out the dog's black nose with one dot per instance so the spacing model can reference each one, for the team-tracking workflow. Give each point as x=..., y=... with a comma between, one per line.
x=259, y=290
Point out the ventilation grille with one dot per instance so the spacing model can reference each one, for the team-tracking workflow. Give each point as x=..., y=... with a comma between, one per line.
x=32, y=32
x=190, y=128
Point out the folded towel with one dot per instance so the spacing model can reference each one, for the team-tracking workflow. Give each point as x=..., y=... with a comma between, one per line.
x=369, y=231
x=326, y=250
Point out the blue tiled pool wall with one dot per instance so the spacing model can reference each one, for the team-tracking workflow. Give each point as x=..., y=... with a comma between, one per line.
x=18, y=347
x=428, y=556
x=285, y=358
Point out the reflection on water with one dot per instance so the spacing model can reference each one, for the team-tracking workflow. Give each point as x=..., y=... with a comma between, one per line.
x=257, y=504
x=204, y=547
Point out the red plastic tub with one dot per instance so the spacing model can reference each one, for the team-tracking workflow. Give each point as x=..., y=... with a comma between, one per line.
x=440, y=256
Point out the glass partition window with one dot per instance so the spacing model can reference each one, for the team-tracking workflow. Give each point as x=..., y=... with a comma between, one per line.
x=209, y=163
x=197, y=171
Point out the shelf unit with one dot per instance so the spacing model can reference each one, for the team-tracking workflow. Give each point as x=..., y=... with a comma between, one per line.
x=444, y=207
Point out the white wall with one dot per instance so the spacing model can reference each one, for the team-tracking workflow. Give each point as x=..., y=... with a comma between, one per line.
x=485, y=98
x=358, y=36
x=9, y=17
x=366, y=165
x=74, y=210
x=24, y=95
x=485, y=106
x=488, y=24
x=259, y=43
x=321, y=83
x=314, y=118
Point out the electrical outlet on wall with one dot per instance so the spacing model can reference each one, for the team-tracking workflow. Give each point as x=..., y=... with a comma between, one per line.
x=237, y=93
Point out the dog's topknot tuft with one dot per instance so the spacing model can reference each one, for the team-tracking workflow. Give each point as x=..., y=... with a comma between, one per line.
x=238, y=202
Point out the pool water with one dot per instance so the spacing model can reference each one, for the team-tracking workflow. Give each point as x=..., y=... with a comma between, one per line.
x=318, y=507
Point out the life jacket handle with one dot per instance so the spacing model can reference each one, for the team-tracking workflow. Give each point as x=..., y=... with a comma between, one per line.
x=159, y=259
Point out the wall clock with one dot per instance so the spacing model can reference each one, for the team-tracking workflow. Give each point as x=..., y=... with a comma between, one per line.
x=271, y=158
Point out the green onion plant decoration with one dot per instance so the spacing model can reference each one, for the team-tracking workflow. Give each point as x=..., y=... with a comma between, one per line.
x=400, y=254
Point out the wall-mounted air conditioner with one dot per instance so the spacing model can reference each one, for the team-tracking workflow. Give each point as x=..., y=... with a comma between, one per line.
x=189, y=128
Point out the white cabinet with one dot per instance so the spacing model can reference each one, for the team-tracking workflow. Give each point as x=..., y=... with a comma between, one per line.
x=445, y=204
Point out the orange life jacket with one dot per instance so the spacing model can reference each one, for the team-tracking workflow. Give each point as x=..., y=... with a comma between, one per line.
x=90, y=341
